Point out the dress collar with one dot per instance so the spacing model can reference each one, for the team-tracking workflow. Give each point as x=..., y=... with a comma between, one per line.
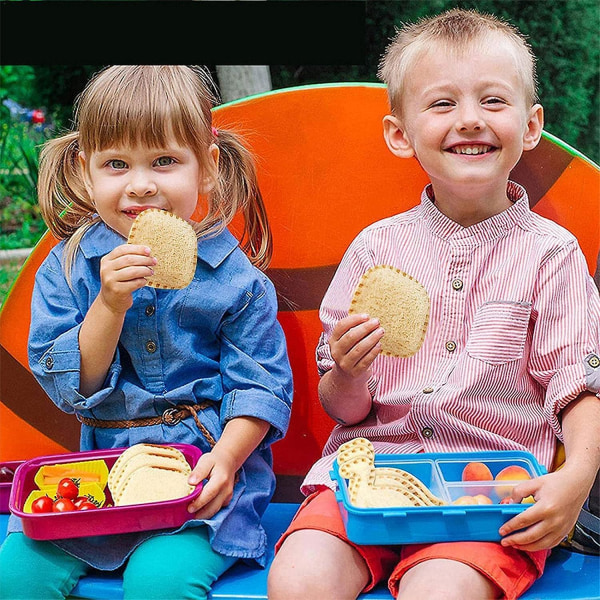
x=101, y=239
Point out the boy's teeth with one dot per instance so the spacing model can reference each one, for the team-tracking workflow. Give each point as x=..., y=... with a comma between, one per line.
x=470, y=149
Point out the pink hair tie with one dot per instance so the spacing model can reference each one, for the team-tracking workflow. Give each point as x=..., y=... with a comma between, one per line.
x=215, y=132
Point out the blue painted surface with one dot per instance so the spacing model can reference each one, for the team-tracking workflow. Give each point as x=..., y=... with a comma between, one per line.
x=568, y=576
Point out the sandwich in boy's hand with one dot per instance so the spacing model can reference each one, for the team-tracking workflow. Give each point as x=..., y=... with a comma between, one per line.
x=400, y=303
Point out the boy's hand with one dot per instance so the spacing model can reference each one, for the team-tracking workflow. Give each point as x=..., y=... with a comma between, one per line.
x=355, y=343
x=123, y=271
x=559, y=497
x=218, y=467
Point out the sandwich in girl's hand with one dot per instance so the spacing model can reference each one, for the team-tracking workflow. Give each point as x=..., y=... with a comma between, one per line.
x=173, y=243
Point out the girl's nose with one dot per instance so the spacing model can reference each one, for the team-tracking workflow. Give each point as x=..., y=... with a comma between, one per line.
x=141, y=184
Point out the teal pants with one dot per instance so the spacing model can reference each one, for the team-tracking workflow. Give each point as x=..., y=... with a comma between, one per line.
x=178, y=566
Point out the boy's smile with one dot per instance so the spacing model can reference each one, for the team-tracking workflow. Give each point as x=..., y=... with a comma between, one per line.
x=465, y=118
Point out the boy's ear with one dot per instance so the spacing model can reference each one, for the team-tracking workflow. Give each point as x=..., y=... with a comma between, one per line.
x=534, y=128
x=86, y=179
x=396, y=138
x=209, y=180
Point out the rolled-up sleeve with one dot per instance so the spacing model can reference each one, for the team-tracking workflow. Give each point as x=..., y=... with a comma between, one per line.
x=566, y=339
x=54, y=356
x=256, y=374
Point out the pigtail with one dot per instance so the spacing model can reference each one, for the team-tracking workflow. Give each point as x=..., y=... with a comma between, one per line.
x=238, y=190
x=63, y=200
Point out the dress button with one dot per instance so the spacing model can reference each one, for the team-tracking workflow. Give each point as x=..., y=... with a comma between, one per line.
x=427, y=390
x=150, y=346
x=450, y=346
x=150, y=310
x=49, y=362
x=457, y=284
x=427, y=432
x=594, y=361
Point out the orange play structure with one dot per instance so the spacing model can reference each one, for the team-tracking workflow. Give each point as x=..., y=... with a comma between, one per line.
x=325, y=173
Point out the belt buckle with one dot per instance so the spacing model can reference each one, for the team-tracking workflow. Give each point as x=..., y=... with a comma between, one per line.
x=171, y=416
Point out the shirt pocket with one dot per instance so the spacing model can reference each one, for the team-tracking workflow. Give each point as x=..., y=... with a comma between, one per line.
x=499, y=332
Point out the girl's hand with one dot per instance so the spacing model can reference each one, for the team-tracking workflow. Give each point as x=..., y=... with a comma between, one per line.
x=123, y=271
x=559, y=497
x=354, y=345
x=218, y=466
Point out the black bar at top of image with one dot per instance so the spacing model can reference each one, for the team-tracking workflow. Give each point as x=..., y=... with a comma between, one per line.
x=179, y=32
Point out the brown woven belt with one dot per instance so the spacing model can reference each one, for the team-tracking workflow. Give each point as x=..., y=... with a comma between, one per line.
x=171, y=416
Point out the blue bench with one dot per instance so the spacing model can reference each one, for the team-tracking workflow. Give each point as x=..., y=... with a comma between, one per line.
x=325, y=174
x=568, y=576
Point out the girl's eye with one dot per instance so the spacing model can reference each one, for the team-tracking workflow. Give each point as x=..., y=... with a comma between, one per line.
x=494, y=100
x=441, y=104
x=164, y=161
x=117, y=164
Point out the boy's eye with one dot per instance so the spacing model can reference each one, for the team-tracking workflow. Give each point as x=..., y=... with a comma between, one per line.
x=441, y=104
x=494, y=100
x=164, y=161
x=117, y=163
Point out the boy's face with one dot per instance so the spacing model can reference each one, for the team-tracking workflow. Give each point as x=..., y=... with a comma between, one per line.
x=465, y=117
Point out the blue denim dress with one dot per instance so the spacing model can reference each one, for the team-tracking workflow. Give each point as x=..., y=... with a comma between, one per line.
x=217, y=339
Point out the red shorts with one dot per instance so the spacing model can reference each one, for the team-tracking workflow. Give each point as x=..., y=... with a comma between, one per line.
x=512, y=571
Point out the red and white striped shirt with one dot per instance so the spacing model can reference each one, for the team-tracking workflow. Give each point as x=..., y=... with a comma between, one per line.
x=513, y=335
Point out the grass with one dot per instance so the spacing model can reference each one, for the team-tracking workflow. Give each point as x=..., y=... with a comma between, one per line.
x=8, y=273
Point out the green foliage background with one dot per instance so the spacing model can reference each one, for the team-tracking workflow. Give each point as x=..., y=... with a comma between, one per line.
x=563, y=34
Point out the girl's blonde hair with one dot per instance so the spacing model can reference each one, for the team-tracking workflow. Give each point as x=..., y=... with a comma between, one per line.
x=455, y=30
x=146, y=104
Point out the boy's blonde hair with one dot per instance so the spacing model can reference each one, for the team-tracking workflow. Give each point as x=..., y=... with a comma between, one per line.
x=147, y=104
x=455, y=30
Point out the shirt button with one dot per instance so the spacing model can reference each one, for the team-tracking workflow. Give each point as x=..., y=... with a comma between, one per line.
x=428, y=390
x=594, y=361
x=427, y=432
x=450, y=346
x=49, y=362
x=150, y=346
x=150, y=310
x=457, y=285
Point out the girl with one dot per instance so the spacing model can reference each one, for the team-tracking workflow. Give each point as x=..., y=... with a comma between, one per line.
x=121, y=355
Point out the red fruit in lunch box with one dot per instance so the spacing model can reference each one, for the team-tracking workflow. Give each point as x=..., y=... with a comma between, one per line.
x=87, y=505
x=511, y=473
x=42, y=504
x=63, y=505
x=482, y=499
x=67, y=488
x=477, y=471
x=80, y=500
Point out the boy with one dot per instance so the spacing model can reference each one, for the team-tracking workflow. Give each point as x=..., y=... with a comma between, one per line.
x=508, y=359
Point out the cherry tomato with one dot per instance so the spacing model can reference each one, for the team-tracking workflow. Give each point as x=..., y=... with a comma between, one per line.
x=63, y=505
x=42, y=504
x=80, y=500
x=67, y=488
x=87, y=505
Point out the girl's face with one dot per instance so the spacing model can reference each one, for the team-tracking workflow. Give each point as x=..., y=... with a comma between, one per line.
x=123, y=181
x=466, y=119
